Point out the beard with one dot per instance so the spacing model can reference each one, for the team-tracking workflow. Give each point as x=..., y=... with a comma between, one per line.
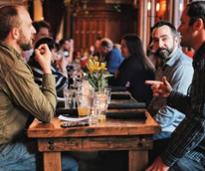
x=25, y=46
x=164, y=53
x=24, y=43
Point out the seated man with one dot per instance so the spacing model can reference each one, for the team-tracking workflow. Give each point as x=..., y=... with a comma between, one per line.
x=177, y=67
x=186, y=148
x=21, y=98
x=111, y=54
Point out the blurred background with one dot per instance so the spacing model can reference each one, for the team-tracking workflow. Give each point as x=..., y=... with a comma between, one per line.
x=85, y=20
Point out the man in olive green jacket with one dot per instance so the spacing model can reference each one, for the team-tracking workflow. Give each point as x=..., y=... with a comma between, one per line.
x=21, y=100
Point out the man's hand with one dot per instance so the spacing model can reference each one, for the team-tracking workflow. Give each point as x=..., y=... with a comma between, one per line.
x=43, y=57
x=158, y=165
x=160, y=88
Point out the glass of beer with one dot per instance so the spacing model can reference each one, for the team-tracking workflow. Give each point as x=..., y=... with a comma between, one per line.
x=84, y=104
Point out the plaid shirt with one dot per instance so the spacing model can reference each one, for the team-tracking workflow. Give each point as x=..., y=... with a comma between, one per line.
x=189, y=137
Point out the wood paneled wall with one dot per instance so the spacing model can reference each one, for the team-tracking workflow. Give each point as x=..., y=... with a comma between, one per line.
x=113, y=19
x=100, y=19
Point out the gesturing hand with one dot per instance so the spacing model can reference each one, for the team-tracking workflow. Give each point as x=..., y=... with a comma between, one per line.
x=160, y=88
x=43, y=57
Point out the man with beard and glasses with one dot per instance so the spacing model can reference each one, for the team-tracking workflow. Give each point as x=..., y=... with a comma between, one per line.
x=21, y=98
x=177, y=68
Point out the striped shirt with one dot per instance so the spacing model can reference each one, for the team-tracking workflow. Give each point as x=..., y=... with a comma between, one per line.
x=189, y=137
x=61, y=80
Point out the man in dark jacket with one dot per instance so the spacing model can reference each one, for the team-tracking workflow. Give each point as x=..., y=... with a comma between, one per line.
x=186, y=148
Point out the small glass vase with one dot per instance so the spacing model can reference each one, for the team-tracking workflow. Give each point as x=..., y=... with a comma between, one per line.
x=100, y=105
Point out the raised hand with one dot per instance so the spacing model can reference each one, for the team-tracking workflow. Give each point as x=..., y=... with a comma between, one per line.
x=160, y=88
x=43, y=57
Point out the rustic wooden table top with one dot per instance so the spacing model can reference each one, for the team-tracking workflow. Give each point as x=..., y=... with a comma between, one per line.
x=109, y=127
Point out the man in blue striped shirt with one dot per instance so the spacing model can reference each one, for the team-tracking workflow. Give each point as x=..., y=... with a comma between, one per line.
x=186, y=148
x=61, y=80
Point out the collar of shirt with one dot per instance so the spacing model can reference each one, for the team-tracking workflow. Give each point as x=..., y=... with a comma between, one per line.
x=11, y=49
x=173, y=57
x=172, y=60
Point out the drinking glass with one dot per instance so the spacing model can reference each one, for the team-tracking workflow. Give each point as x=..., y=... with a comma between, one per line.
x=100, y=105
x=68, y=95
x=84, y=105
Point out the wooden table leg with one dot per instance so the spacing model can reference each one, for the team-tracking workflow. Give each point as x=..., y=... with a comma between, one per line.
x=138, y=160
x=52, y=161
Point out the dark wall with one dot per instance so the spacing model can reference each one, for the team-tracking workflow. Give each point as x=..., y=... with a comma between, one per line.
x=53, y=12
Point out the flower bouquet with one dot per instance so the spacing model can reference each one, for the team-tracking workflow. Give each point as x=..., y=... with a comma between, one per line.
x=97, y=74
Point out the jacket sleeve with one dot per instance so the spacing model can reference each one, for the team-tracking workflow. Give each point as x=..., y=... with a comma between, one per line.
x=26, y=93
x=180, y=102
x=190, y=134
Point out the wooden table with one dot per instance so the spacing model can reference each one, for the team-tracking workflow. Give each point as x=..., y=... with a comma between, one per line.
x=134, y=136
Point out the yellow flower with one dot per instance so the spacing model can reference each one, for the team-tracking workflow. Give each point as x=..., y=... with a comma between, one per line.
x=95, y=66
x=97, y=73
x=103, y=66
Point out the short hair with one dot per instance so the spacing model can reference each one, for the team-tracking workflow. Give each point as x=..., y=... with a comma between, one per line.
x=41, y=24
x=195, y=10
x=62, y=41
x=106, y=43
x=166, y=23
x=8, y=19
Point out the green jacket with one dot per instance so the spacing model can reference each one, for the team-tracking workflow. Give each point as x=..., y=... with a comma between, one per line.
x=21, y=99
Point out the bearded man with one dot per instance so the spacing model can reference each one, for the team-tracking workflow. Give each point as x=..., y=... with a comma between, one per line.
x=21, y=98
x=177, y=68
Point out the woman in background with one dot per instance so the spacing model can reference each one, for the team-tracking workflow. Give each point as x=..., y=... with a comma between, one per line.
x=135, y=69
